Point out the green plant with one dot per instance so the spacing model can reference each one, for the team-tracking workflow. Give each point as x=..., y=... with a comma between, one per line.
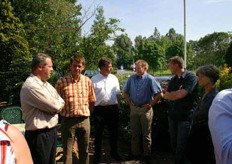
x=225, y=78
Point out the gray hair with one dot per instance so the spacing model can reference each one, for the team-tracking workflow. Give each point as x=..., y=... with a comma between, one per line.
x=210, y=71
x=39, y=59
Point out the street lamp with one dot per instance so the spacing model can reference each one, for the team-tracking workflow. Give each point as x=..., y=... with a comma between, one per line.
x=185, y=56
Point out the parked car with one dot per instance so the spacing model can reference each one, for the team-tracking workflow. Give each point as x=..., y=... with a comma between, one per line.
x=163, y=80
x=90, y=72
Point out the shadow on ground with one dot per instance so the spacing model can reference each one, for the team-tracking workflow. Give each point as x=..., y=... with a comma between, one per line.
x=159, y=157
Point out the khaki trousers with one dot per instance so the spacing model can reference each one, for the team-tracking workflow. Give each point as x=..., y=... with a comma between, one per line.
x=140, y=122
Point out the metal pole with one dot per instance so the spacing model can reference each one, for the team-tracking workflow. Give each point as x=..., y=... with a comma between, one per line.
x=185, y=56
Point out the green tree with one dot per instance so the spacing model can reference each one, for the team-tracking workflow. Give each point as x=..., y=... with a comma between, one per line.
x=228, y=56
x=211, y=49
x=94, y=45
x=52, y=27
x=123, y=48
x=15, y=56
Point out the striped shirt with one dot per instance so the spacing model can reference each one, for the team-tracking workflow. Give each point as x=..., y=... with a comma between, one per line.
x=76, y=94
x=7, y=155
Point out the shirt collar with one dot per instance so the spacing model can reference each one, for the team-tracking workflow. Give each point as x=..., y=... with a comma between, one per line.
x=183, y=75
x=141, y=77
x=78, y=80
x=38, y=80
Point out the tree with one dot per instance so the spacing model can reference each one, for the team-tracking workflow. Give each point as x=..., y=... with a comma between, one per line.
x=15, y=56
x=211, y=49
x=228, y=56
x=123, y=48
x=52, y=27
x=94, y=45
x=173, y=36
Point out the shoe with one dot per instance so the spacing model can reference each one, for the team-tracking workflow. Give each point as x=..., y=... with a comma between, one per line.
x=116, y=157
x=147, y=159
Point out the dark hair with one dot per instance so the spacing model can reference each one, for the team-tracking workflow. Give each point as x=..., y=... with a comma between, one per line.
x=177, y=60
x=78, y=59
x=104, y=61
x=210, y=71
x=39, y=59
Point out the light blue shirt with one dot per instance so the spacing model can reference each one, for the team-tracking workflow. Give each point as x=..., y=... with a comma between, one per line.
x=141, y=90
x=220, y=125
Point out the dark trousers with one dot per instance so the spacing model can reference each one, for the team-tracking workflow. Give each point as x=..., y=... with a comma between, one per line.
x=42, y=144
x=105, y=115
x=200, y=146
x=179, y=134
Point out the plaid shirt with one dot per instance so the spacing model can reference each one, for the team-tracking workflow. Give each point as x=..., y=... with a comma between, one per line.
x=76, y=94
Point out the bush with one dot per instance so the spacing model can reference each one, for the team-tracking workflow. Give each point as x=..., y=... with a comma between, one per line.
x=225, y=79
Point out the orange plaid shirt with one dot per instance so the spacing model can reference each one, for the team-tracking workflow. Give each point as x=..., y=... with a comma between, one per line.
x=76, y=94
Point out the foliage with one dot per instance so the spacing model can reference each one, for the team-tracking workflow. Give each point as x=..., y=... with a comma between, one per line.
x=93, y=46
x=52, y=27
x=15, y=56
x=225, y=79
x=124, y=115
x=123, y=48
x=211, y=49
x=228, y=56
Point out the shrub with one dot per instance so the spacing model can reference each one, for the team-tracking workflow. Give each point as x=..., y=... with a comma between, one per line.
x=225, y=79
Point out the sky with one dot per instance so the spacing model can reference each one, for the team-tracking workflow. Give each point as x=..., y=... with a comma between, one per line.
x=140, y=17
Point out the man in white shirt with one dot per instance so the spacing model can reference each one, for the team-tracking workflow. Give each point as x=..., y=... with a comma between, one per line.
x=106, y=108
x=220, y=125
x=40, y=105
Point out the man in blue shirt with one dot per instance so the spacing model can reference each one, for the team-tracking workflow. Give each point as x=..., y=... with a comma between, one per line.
x=141, y=92
x=220, y=125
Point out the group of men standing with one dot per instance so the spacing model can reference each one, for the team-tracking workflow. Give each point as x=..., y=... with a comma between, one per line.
x=76, y=96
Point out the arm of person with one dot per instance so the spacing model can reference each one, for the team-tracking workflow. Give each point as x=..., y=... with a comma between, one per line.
x=126, y=96
x=119, y=100
x=175, y=95
x=51, y=104
x=19, y=145
x=91, y=106
x=155, y=99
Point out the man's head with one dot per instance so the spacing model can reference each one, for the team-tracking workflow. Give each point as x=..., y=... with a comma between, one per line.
x=42, y=66
x=77, y=65
x=175, y=64
x=141, y=67
x=105, y=65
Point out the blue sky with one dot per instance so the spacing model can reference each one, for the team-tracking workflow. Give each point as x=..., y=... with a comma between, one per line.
x=140, y=17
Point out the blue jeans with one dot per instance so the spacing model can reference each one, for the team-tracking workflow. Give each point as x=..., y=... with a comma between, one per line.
x=179, y=134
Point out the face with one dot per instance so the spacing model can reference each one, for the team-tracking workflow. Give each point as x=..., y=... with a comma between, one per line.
x=140, y=70
x=76, y=69
x=46, y=70
x=106, y=70
x=203, y=80
x=172, y=67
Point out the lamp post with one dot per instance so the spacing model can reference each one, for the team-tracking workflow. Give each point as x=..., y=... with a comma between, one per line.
x=185, y=56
